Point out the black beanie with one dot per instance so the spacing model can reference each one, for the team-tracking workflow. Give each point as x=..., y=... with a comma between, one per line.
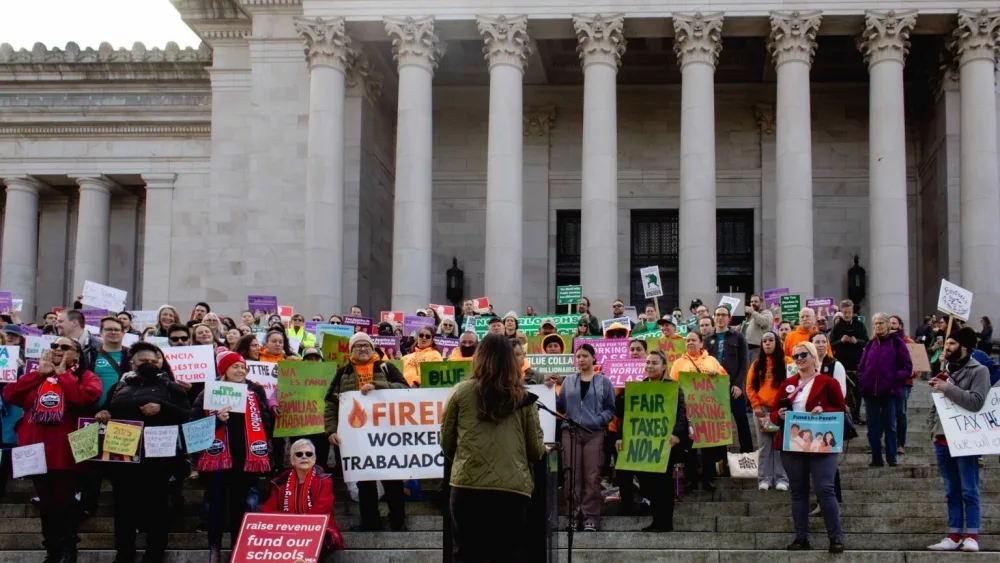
x=966, y=338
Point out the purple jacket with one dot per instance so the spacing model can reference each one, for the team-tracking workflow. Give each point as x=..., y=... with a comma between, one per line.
x=884, y=367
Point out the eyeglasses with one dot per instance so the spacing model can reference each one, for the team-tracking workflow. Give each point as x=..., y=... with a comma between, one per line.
x=61, y=347
x=179, y=338
x=362, y=347
x=618, y=306
x=800, y=356
x=306, y=455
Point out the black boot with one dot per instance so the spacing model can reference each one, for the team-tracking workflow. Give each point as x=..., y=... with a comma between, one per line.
x=68, y=539
x=50, y=539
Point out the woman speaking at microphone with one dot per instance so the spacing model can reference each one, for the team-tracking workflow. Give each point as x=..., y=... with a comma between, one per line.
x=491, y=432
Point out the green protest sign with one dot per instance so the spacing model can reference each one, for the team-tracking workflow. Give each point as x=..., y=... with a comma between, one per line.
x=569, y=294
x=442, y=374
x=84, y=443
x=650, y=411
x=790, y=307
x=565, y=324
x=302, y=389
x=551, y=364
x=706, y=399
x=336, y=349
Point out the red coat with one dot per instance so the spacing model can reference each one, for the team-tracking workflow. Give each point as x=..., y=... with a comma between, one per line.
x=81, y=395
x=321, y=491
x=825, y=393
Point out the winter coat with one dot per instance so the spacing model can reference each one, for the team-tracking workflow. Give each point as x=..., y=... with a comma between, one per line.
x=735, y=358
x=384, y=376
x=825, y=393
x=884, y=367
x=321, y=492
x=127, y=397
x=848, y=353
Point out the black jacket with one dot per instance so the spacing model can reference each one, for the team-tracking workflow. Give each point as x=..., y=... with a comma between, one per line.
x=847, y=353
x=126, y=398
x=681, y=427
x=735, y=357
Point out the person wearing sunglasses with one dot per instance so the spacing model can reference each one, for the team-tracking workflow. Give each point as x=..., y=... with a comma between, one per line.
x=178, y=335
x=423, y=351
x=53, y=398
x=306, y=489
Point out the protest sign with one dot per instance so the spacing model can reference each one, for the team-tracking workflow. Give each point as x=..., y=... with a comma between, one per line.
x=388, y=344
x=161, y=341
x=790, y=307
x=392, y=434
x=444, y=311
x=551, y=364
x=199, y=434
x=92, y=317
x=918, y=356
x=621, y=372
x=160, y=441
x=822, y=305
x=92, y=329
x=85, y=442
x=285, y=312
x=442, y=374
x=549, y=344
x=397, y=363
x=129, y=339
x=8, y=363
x=706, y=399
x=547, y=397
x=605, y=348
x=310, y=327
x=262, y=305
x=122, y=439
x=606, y=323
x=103, y=297
x=302, y=388
x=28, y=460
x=814, y=433
x=392, y=317
x=143, y=319
x=220, y=394
x=413, y=323
x=191, y=364
x=336, y=350
x=565, y=324
x=31, y=330
x=650, y=412
x=16, y=305
x=954, y=300
x=360, y=324
x=673, y=347
x=651, y=284
x=445, y=345
x=264, y=374
x=102, y=430
x=970, y=433
x=279, y=537
x=569, y=294
x=30, y=365
x=481, y=305
x=336, y=330
x=6, y=302
x=772, y=297
x=731, y=303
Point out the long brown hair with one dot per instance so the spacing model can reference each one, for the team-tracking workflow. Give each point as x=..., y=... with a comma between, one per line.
x=497, y=378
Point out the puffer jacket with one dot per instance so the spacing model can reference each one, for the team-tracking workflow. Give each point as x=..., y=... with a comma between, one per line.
x=486, y=455
x=884, y=367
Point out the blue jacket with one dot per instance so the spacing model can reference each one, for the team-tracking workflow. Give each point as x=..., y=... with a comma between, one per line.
x=884, y=367
x=989, y=364
x=593, y=412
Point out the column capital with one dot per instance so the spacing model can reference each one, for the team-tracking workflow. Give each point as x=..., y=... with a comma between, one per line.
x=886, y=36
x=538, y=121
x=793, y=36
x=765, y=118
x=363, y=76
x=506, y=39
x=414, y=41
x=101, y=184
x=159, y=181
x=326, y=42
x=698, y=38
x=24, y=184
x=975, y=35
x=600, y=38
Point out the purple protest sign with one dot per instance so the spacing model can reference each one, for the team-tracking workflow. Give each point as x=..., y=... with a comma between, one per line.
x=6, y=302
x=772, y=297
x=411, y=324
x=389, y=345
x=310, y=326
x=363, y=323
x=30, y=330
x=30, y=366
x=822, y=305
x=93, y=317
x=262, y=305
x=445, y=345
x=621, y=372
x=604, y=348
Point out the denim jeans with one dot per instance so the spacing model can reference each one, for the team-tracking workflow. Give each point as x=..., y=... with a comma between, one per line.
x=823, y=469
x=769, y=468
x=901, y=405
x=881, y=413
x=961, y=487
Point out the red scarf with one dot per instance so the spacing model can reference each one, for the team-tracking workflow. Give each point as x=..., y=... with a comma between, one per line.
x=219, y=456
x=50, y=402
x=291, y=501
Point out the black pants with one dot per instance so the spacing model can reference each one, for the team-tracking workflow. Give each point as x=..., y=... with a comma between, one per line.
x=368, y=499
x=659, y=489
x=90, y=485
x=739, y=409
x=6, y=467
x=277, y=455
x=140, y=493
x=486, y=525
x=56, y=502
x=700, y=464
x=227, y=499
x=853, y=397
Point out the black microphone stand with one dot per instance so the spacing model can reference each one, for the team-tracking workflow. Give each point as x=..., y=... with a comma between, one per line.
x=574, y=429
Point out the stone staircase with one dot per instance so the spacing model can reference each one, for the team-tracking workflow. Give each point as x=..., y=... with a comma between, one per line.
x=889, y=515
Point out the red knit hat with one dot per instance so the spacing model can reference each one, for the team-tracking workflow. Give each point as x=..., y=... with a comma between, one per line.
x=225, y=361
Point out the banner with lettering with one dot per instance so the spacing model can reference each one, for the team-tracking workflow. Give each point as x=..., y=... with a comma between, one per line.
x=264, y=374
x=105, y=455
x=970, y=433
x=336, y=349
x=706, y=399
x=814, y=433
x=650, y=414
x=191, y=364
x=302, y=388
x=604, y=348
x=551, y=364
x=623, y=372
x=565, y=324
x=673, y=347
x=443, y=374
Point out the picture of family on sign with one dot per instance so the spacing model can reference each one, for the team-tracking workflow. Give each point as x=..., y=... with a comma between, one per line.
x=809, y=433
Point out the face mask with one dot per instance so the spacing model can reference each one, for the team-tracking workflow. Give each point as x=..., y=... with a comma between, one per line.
x=148, y=371
x=467, y=350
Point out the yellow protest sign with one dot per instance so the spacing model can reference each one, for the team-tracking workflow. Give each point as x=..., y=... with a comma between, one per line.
x=84, y=442
x=121, y=439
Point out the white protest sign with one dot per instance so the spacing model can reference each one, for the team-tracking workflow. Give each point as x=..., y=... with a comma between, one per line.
x=29, y=460
x=161, y=341
x=970, y=433
x=17, y=304
x=392, y=434
x=955, y=300
x=103, y=297
x=143, y=319
x=651, y=285
x=191, y=364
x=35, y=345
x=264, y=374
x=8, y=363
x=222, y=394
x=160, y=441
x=732, y=303
x=94, y=330
x=547, y=397
x=632, y=314
x=129, y=339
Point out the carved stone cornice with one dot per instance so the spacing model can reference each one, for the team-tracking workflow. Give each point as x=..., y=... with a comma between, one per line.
x=793, y=36
x=105, y=53
x=326, y=41
x=697, y=38
x=765, y=118
x=975, y=36
x=538, y=121
x=362, y=75
x=414, y=41
x=113, y=130
x=600, y=39
x=506, y=40
x=886, y=35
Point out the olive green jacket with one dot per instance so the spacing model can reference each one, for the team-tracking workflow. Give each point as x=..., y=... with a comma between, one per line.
x=487, y=455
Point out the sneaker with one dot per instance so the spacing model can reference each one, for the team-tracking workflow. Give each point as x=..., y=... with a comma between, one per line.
x=35, y=500
x=764, y=486
x=970, y=544
x=781, y=487
x=948, y=545
x=589, y=527
x=900, y=450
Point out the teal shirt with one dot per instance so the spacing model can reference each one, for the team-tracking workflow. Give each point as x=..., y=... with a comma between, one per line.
x=107, y=373
x=721, y=343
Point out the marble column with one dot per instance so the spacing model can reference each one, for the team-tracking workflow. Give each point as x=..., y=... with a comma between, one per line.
x=507, y=50
x=792, y=43
x=974, y=49
x=697, y=42
x=93, y=234
x=417, y=49
x=328, y=51
x=19, y=260
x=765, y=123
x=884, y=43
x=601, y=44
x=156, y=244
x=538, y=124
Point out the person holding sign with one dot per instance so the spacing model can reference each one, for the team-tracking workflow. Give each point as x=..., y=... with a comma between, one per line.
x=492, y=434
x=53, y=398
x=810, y=391
x=965, y=382
x=140, y=489
x=764, y=380
x=423, y=351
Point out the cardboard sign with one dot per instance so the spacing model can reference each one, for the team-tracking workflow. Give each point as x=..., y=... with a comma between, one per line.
x=191, y=364
x=302, y=390
x=772, y=297
x=122, y=439
x=547, y=397
x=161, y=341
x=161, y=441
x=569, y=294
x=221, y=394
x=129, y=339
x=650, y=414
x=16, y=305
x=264, y=374
x=85, y=442
x=8, y=363
x=103, y=296
x=28, y=460
x=706, y=399
x=262, y=305
x=970, y=433
x=955, y=300
x=551, y=364
x=814, y=434
x=143, y=319
x=30, y=330
x=672, y=348
x=35, y=345
x=442, y=374
x=444, y=311
x=605, y=348
x=279, y=537
x=918, y=355
x=621, y=372
x=199, y=434
x=651, y=284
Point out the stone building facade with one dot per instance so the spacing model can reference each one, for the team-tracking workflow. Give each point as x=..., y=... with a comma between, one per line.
x=336, y=152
